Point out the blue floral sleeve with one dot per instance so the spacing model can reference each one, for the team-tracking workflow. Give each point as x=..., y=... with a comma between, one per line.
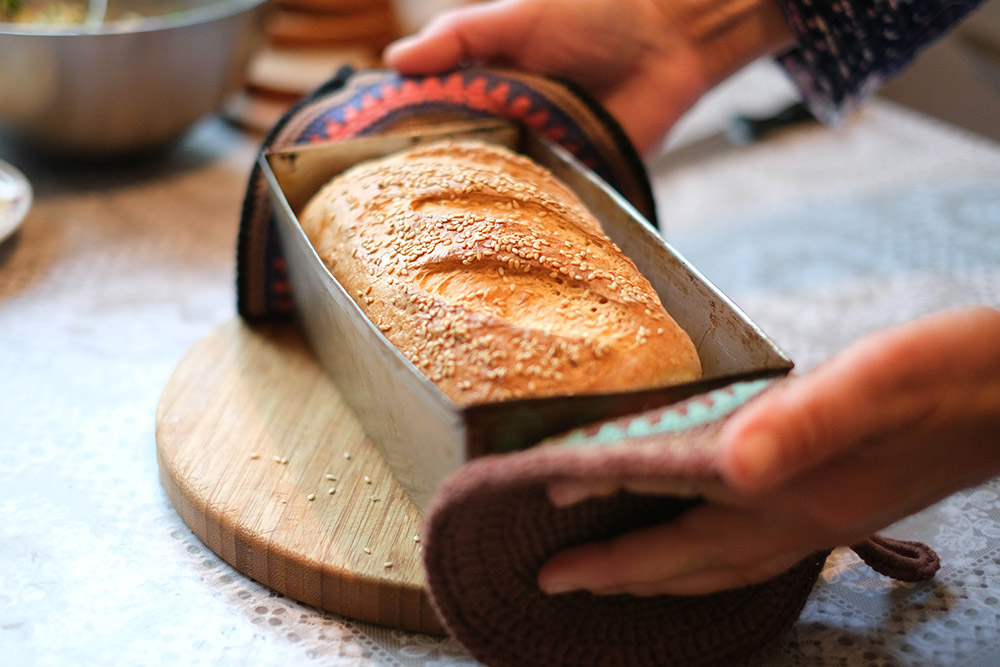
x=847, y=49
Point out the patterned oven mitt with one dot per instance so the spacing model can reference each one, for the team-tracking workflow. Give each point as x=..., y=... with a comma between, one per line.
x=491, y=527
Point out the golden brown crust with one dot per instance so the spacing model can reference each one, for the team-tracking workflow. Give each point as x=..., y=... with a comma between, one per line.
x=492, y=278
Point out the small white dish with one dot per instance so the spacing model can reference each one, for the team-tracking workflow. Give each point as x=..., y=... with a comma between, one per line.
x=15, y=199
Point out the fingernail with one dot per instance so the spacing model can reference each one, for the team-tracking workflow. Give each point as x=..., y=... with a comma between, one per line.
x=556, y=587
x=401, y=44
x=757, y=457
x=566, y=493
x=552, y=578
x=571, y=492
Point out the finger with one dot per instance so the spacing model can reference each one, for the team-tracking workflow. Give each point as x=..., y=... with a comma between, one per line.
x=706, y=538
x=477, y=33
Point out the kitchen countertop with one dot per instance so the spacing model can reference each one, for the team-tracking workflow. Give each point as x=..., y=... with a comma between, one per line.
x=820, y=234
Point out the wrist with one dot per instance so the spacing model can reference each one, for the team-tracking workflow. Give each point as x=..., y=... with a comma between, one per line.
x=725, y=35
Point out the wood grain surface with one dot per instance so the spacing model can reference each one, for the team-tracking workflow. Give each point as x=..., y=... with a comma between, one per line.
x=269, y=468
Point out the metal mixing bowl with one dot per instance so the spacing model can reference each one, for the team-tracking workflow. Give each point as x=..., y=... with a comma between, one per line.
x=124, y=86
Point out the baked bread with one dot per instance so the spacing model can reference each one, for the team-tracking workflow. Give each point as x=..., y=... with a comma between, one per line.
x=492, y=277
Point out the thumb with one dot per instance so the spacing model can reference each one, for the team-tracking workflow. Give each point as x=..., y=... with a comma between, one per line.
x=880, y=387
x=478, y=33
x=775, y=436
x=805, y=421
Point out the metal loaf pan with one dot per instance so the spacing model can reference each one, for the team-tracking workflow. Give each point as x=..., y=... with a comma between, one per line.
x=421, y=433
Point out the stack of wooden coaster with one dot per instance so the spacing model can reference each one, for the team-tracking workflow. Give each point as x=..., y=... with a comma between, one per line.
x=336, y=24
x=307, y=42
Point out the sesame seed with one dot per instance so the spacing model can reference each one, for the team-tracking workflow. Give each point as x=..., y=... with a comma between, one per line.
x=254, y=456
x=367, y=550
x=331, y=490
x=347, y=455
x=311, y=496
x=331, y=477
x=368, y=480
x=388, y=564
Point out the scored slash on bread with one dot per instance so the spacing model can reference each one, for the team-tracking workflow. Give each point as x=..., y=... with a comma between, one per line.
x=492, y=277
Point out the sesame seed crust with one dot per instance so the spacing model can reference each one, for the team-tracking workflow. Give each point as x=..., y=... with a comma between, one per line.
x=492, y=277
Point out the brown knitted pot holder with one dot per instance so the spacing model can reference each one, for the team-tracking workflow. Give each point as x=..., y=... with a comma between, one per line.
x=491, y=527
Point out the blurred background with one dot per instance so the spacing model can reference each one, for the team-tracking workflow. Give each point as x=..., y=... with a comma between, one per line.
x=309, y=40
x=958, y=78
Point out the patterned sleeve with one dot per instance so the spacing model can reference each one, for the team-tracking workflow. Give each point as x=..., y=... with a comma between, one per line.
x=847, y=49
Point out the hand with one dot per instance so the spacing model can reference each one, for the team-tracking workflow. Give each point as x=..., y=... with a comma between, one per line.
x=646, y=61
x=890, y=426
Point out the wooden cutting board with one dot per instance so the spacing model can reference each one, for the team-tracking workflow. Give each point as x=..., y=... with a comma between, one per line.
x=268, y=467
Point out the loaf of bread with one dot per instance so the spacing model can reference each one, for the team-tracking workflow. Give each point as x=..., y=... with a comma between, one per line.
x=492, y=277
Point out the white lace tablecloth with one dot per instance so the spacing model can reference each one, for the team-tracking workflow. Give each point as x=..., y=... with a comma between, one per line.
x=821, y=235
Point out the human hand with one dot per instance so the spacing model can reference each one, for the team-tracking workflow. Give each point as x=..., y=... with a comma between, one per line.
x=893, y=424
x=646, y=61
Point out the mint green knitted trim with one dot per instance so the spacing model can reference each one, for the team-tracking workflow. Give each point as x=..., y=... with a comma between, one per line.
x=719, y=404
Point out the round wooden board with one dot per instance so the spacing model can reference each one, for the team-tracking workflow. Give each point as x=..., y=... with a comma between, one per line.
x=247, y=430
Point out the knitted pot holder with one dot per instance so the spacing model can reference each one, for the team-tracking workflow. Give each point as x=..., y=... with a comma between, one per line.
x=491, y=527
x=371, y=102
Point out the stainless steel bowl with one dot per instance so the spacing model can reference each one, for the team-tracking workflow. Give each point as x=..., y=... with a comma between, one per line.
x=124, y=86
